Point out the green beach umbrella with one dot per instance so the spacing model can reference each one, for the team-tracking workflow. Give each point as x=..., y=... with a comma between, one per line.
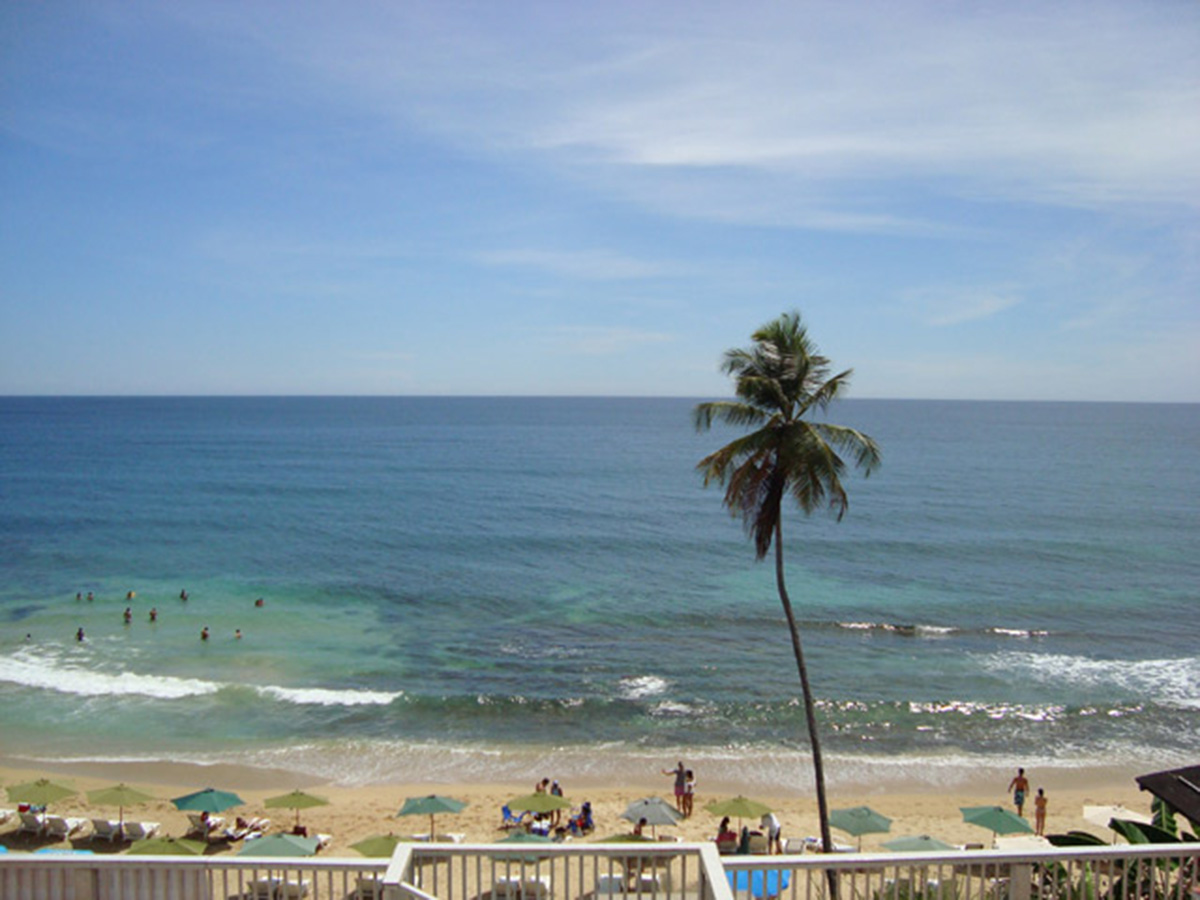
x=208, y=800
x=739, y=807
x=120, y=796
x=995, y=819
x=430, y=806
x=42, y=792
x=919, y=844
x=280, y=845
x=296, y=800
x=860, y=820
x=627, y=838
x=377, y=845
x=538, y=803
x=523, y=837
x=167, y=846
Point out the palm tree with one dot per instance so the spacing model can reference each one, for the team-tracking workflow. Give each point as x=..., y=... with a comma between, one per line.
x=779, y=381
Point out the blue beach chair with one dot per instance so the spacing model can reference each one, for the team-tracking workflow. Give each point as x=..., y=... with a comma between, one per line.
x=511, y=821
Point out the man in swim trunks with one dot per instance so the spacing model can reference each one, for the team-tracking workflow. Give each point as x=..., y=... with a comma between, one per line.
x=1019, y=787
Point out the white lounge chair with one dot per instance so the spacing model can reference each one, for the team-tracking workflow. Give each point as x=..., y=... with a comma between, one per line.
x=31, y=823
x=202, y=827
x=608, y=883
x=63, y=827
x=139, y=831
x=262, y=889
x=106, y=830
x=367, y=888
x=532, y=887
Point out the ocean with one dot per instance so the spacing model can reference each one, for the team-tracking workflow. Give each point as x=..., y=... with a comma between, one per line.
x=460, y=589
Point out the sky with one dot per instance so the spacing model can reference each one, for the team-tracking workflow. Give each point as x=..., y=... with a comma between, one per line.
x=984, y=200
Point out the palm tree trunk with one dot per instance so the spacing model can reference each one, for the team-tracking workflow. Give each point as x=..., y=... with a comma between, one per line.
x=810, y=712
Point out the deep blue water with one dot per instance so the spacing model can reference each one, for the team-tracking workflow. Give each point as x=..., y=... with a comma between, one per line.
x=470, y=581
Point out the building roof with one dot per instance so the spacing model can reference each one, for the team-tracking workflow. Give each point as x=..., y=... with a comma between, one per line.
x=1179, y=788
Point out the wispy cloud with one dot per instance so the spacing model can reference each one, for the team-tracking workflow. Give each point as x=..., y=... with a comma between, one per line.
x=1071, y=104
x=600, y=340
x=943, y=307
x=592, y=265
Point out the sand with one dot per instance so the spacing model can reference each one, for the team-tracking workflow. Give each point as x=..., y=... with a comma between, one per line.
x=357, y=812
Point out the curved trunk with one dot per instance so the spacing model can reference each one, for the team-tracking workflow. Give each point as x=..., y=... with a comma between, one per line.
x=810, y=712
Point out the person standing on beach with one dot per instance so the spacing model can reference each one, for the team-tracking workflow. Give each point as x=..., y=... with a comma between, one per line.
x=680, y=774
x=1019, y=787
x=689, y=792
x=770, y=824
x=1039, y=813
x=556, y=815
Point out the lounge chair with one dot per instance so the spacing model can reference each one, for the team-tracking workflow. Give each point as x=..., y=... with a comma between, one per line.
x=758, y=844
x=5, y=815
x=608, y=883
x=367, y=887
x=63, y=827
x=248, y=829
x=139, y=831
x=202, y=827
x=106, y=830
x=32, y=823
x=511, y=821
x=261, y=889
x=532, y=887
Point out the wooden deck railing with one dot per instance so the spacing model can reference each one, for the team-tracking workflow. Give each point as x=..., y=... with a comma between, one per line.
x=617, y=872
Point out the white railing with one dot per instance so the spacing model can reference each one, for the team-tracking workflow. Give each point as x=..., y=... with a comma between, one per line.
x=618, y=872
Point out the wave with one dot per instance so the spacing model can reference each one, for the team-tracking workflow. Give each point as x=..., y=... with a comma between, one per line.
x=638, y=687
x=44, y=674
x=330, y=697
x=85, y=682
x=1171, y=682
x=935, y=631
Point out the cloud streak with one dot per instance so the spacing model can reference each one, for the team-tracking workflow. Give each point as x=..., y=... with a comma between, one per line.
x=823, y=104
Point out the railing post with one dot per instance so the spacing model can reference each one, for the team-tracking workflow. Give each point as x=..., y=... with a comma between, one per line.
x=1020, y=880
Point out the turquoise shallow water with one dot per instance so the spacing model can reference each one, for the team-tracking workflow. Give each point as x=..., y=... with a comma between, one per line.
x=461, y=585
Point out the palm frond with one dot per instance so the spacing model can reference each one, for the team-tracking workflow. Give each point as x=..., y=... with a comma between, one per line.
x=727, y=412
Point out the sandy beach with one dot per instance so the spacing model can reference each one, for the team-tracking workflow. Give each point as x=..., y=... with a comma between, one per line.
x=357, y=812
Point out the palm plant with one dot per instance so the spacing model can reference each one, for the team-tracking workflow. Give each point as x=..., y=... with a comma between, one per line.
x=780, y=381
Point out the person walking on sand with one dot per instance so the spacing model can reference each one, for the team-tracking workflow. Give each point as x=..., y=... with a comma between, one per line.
x=680, y=774
x=1039, y=813
x=1019, y=787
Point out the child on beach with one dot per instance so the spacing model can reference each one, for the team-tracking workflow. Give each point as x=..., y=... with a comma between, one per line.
x=689, y=792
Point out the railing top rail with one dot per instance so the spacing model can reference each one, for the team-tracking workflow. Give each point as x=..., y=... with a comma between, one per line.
x=962, y=857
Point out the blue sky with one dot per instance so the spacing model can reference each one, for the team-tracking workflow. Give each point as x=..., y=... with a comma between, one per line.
x=964, y=200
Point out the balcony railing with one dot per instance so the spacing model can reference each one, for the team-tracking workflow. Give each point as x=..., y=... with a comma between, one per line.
x=617, y=872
